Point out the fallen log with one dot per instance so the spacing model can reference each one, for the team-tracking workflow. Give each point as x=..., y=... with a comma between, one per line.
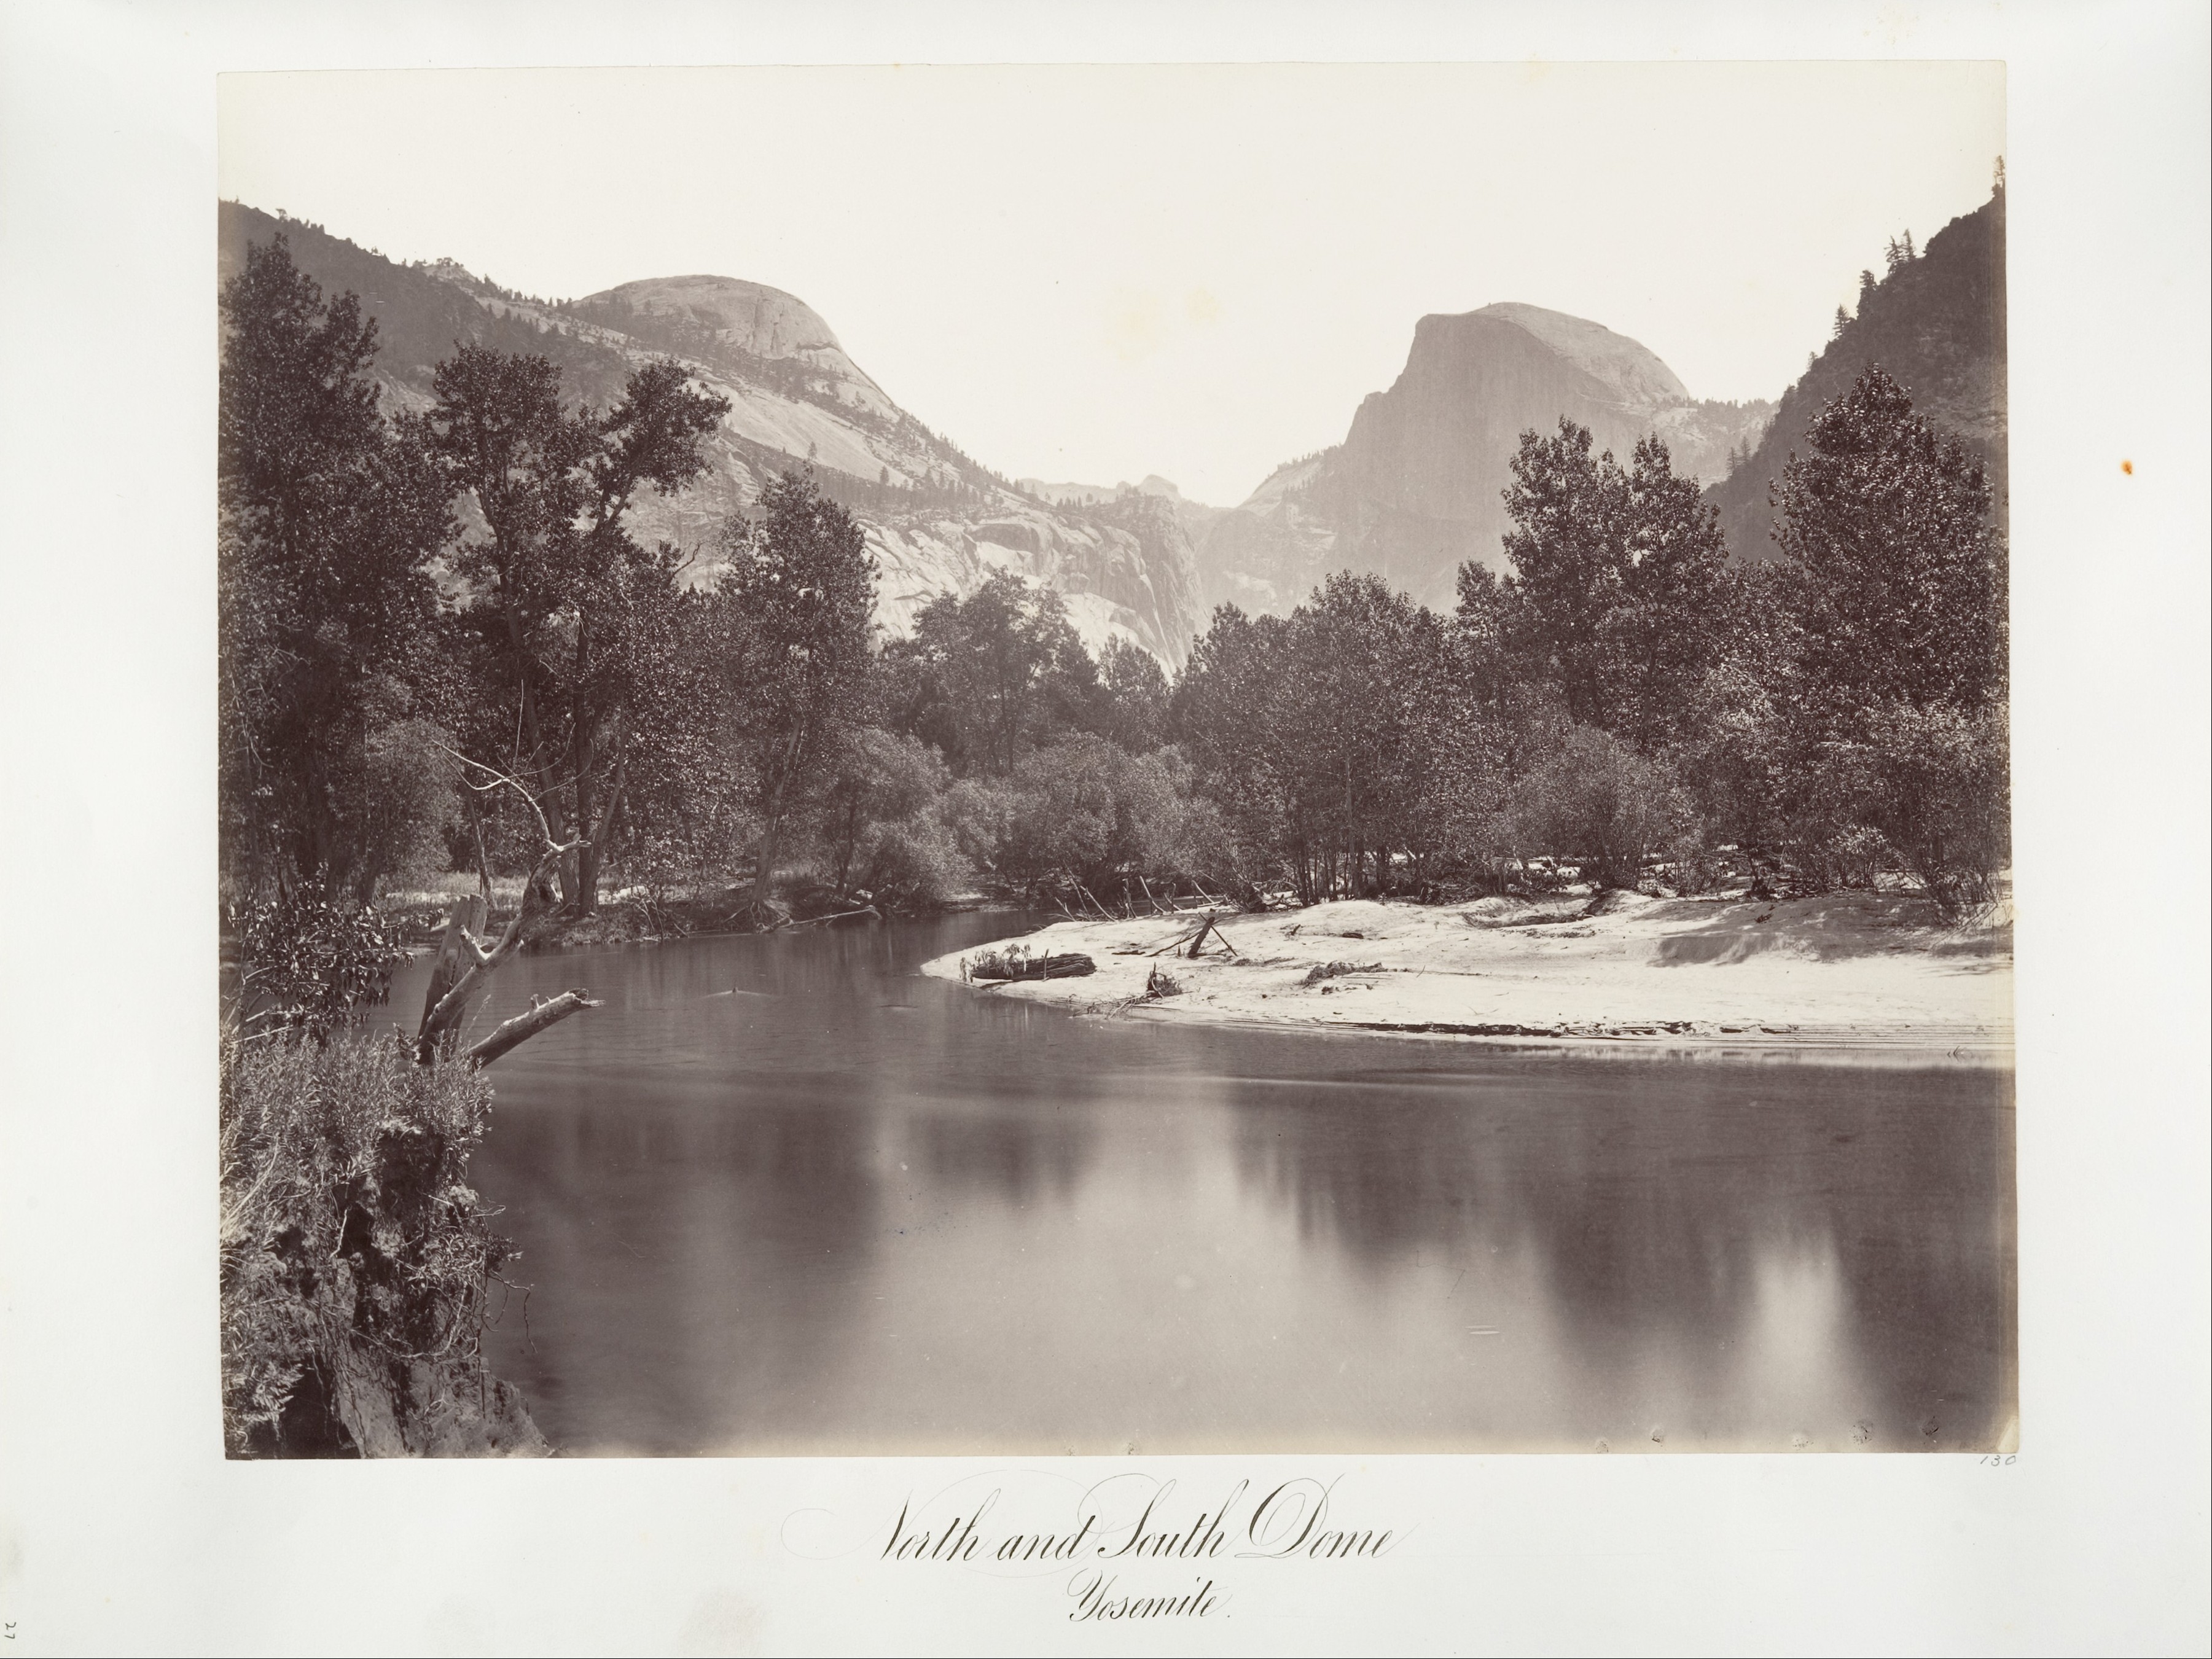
x=525, y=1026
x=1068, y=964
x=867, y=911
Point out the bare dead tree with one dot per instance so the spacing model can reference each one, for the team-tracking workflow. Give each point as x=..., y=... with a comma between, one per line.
x=465, y=967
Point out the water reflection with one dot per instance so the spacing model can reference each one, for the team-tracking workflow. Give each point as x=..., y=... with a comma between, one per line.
x=851, y=1210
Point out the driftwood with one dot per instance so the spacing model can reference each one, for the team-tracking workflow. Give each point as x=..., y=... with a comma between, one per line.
x=1067, y=965
x=523, y=1027
x=868, y=910
x=1191, y=943
x=539, y=902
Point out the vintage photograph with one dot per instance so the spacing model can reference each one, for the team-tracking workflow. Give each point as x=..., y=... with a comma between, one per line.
x=1050, y=761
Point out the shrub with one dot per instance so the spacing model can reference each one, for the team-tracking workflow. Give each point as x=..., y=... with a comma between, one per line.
x=308, y=960
x=1934, y=783
x=1600, y=801
x=913, y=864
x=355, y=1260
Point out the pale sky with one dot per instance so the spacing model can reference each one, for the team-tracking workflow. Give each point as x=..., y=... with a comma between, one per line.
x=1095, y=273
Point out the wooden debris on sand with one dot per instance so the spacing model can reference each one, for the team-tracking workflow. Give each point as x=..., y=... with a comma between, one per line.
x=1067, y=964
x=1190, y=944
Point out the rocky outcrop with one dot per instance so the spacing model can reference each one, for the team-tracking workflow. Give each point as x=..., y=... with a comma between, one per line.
x=1415, y=488
x=1123, y=567
x=936, y=520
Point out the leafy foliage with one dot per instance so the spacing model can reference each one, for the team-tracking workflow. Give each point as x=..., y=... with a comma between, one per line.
x=1619, y=597
x=795, y=626
x=1599, y=801
x=569, y=617
x=308, y=961
x=329, y=517
x=1903, y=575
x=986, y=676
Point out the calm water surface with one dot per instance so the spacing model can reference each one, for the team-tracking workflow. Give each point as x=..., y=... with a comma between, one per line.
x=851, y=1210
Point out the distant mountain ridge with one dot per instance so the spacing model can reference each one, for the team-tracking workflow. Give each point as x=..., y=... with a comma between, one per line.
x=1414, y=490
x=1196, y=517
x=936, y=520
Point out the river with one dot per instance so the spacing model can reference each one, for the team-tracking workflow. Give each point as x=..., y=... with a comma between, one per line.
x=781, y=1196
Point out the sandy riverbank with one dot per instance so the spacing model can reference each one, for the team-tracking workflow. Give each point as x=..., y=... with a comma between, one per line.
x=1858, y=971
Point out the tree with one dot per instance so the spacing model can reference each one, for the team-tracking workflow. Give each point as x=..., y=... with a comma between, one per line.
x=984, y=677
x=1898, y=657
x=329, y=516
x=796, y=607
x=1332, y=739
x=1230, y=709
x=1135, y=696
x=1843, y=321
x=564, y=603
x=1886, y=523
x=1619, y=595
x=879, y=778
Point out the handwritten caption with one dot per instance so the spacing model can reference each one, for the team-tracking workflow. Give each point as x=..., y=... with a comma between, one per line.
x=1130, y=1546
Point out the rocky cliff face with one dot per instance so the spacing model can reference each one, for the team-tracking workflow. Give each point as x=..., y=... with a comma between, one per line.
x=1414, y=490
x=1937, y=324
x=936, y=520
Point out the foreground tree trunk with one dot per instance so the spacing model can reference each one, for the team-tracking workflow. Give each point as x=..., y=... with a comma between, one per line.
x=456, y=954
x=441, y=1020
x=597, y=834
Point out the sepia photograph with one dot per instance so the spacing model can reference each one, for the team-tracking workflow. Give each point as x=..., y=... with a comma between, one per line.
x=970, y=829
x=1059, y=760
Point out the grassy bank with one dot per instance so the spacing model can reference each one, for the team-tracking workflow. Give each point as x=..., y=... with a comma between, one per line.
x=358, y=1267
x=1851, y=969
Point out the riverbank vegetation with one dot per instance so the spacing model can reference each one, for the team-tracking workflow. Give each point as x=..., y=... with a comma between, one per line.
x=443, y=648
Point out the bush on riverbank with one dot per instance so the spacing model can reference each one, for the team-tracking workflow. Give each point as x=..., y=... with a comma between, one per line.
x=357, y=1265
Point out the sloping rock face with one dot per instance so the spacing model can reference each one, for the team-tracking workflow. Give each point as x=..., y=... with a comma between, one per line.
x=937, y=520
x=1937, y=324
x=1415, y=489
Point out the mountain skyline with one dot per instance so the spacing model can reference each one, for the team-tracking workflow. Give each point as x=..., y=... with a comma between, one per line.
x=1099, y=273
x=1410, y=492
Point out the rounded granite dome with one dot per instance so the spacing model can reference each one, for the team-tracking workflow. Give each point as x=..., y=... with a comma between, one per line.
x=762, y=321
x=1630, y=368
x=757, y=321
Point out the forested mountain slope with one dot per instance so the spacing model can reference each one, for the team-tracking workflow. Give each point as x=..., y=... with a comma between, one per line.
x=1937, y=324
x=936, y=520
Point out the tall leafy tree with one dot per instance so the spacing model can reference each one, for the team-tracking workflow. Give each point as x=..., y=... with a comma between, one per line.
x=1901, y=571
x=984, y=677
x=1620, y=594
x=1134, y=695
x=569, y=610
x=1233, y=710
x=1898, y=717
x=1329, y=738
x=328, y=515
x=796, y=607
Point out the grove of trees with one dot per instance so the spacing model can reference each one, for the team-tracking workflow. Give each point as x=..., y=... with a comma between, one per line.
x=437, y=625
